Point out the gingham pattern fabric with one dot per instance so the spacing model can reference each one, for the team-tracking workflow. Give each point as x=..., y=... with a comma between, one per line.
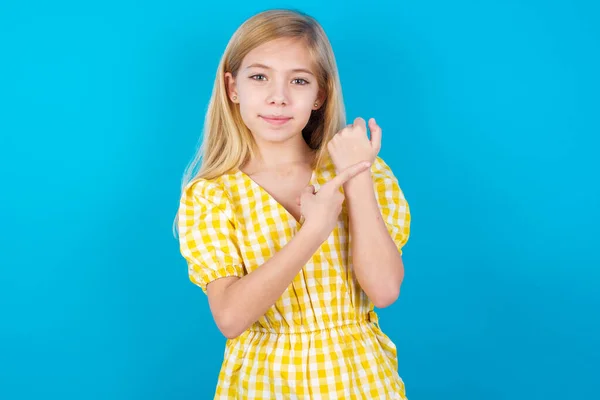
x=321, y=339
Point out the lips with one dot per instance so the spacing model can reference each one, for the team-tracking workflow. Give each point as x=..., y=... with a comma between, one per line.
x=275, y=119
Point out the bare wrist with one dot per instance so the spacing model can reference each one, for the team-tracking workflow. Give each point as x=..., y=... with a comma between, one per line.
x=314, y=232
x=358, y=184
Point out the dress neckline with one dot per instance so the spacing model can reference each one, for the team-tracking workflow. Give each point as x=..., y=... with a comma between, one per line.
x=272, y=199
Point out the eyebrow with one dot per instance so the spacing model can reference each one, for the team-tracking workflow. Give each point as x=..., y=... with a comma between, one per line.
x=257, y=65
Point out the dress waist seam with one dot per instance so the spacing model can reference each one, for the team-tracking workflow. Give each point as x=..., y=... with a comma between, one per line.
x=371, y=317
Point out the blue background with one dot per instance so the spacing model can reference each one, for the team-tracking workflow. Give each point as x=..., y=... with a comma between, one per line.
x=490, y=117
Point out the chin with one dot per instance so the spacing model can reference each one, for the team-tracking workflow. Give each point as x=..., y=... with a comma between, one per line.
x=272, y=133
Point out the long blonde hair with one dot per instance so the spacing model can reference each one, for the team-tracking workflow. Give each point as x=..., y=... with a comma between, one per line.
x=227, y=143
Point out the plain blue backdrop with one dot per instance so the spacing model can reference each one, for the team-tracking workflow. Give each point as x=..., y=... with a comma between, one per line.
x=490, y=118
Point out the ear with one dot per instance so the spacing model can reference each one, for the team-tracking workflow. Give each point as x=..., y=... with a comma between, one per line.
x=231, y=87
x=320, y=100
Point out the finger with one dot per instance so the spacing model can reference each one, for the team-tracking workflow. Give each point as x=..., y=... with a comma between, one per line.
x=375, y=134
x=307, y=191
x=346, y=175
x=310, y=189
x=360, y=123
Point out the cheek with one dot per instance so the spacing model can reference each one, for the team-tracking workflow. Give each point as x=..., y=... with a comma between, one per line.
x=305, y=102
x=248, y=103
x=247, y=115
x=304, y=105
x=251, y=102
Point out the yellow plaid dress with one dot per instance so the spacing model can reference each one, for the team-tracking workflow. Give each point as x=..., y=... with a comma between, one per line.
x=321, y=339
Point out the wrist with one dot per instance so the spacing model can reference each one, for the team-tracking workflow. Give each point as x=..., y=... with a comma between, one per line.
x=360, y=184
x=313, y=233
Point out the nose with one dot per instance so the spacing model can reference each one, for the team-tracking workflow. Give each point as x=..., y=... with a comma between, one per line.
x=278, y=94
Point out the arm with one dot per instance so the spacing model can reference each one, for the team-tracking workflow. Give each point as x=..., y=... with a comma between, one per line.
x=236, y=303
x=207, y=238
x=379, y=219
x=377, y=263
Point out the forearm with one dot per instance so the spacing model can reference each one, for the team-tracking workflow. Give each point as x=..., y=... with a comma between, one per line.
x=249, y=298
x=377, y=263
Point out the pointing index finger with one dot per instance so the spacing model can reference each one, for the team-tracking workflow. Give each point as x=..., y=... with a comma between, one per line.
x=347, y=174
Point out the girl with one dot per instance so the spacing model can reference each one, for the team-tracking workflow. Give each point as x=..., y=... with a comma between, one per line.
x=293, y=226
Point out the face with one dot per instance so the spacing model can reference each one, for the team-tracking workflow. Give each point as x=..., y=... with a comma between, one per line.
x=276, y=89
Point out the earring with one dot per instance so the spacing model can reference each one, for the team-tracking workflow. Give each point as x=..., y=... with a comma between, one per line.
x=316, y=104
x=234, y=97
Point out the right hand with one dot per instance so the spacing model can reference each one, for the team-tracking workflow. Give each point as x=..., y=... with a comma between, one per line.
x=321, y=210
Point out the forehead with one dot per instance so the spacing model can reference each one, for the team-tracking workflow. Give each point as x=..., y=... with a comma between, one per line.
x=281, y=54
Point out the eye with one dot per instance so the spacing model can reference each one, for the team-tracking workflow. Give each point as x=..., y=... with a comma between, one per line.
x=302, y=81
x=257, y=76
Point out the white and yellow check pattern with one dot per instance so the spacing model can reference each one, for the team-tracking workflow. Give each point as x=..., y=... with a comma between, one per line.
x=321, y=339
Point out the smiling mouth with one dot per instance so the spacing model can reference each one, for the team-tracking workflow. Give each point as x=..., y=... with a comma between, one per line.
x=276, y=120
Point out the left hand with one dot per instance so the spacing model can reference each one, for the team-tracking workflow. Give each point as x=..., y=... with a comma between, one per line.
x=351, y=145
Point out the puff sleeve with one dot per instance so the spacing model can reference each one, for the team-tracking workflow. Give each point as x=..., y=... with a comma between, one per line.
x=207, y=238
x=392, y=203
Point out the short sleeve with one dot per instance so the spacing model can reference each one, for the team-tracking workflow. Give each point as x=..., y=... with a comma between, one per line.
x=207, y=238
x=392, y=203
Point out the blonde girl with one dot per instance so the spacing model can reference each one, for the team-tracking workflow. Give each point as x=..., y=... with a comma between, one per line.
x=292, y=224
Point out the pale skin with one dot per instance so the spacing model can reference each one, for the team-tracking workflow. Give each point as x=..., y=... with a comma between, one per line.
x=377, y=263
x=277, y=79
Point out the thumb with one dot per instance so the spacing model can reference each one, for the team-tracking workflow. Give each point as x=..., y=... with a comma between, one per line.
x=310, y=189
x=375, y=135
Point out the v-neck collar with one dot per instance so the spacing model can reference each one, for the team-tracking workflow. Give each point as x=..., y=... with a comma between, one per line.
x=262, y=190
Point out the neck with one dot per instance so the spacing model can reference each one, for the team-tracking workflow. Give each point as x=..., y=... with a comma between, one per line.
x=276, y=155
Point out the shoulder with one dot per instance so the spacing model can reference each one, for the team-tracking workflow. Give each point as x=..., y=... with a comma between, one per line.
x=380, y=170
x=201, y=195
x=215, y=189
x=382, y=174
x=386, y=183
